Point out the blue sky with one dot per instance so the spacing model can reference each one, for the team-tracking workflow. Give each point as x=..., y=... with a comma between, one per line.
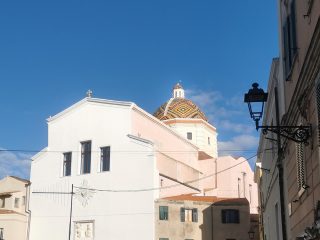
x=52, y=52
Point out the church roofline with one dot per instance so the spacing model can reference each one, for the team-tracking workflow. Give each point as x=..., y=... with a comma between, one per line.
x=161, y=123
x=120, y=103
x=89, y=99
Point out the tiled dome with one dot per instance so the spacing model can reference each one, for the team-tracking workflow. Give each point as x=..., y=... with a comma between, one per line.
x=179, y=107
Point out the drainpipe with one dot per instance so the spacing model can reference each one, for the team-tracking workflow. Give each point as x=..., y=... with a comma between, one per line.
x=280, y=169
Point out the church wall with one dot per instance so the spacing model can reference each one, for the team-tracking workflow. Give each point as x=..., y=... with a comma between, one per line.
x=123, y=215
x=176, y=157
x=200, y=134
x=230, y=173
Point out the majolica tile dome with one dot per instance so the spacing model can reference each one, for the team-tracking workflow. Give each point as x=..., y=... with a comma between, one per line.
x=179, y=107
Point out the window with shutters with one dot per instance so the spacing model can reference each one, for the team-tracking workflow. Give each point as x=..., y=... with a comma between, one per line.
x=301, y=177
x=85, y=157
x=289, y=38
x=189, y=215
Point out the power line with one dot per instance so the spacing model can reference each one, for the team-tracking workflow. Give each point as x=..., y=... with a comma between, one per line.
x=157, y=188
x=126, y=151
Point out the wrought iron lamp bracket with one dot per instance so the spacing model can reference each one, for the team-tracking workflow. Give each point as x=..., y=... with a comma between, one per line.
x=299, y=134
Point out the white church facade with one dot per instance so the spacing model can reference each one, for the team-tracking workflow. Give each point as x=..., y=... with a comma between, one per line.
x=107, y=162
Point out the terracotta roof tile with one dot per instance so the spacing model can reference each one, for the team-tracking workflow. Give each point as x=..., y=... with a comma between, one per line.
x=6, y=211
x=212, y=199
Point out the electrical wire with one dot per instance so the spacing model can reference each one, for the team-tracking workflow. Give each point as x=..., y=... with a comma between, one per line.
x=160, y=188
x=126, y=151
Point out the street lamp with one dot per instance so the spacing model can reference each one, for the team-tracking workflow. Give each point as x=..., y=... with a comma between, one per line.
x=255, y=98
x=251, y=234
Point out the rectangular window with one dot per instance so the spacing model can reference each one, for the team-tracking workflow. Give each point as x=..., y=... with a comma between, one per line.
x=189, y=135
x=105, y=159
x=67, y=164
x=209, y=141
x=85, y=157
x=163, y=213
x=163, y=238
x=189, y=215
x=230, y=216
x=23, y=200
x=289, y=38
x=16, y=202
x=2, y=202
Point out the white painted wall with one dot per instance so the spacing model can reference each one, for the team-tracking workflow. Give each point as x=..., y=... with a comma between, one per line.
x=116, y=215
x=200, y=134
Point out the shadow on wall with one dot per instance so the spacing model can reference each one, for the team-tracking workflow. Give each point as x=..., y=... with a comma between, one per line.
x=206, y=226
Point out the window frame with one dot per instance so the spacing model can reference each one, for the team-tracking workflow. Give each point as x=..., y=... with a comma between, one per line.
x=16, y=202
x=105, y=157
x=3, y=202
x=189, y=135
x=86, y=157
x=188, y=214
x=289, y=41
x=65, y=162
x=164, y=213
x=230, y=216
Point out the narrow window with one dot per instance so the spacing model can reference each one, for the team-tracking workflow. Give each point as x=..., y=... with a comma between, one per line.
x=182, y=215
x=194, y=215
x=189, y=135
x=209, y=141
x=67, y=164
x=85, y=157
x=230, y=216
x=23, y=200
x=163, y=238
x=16, y=202
x=289, y=38
x=105, y=159
x=2, y=202
x=163, y=213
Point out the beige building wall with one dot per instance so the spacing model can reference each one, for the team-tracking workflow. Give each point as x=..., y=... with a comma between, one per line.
x=13, y=215
x=301, y=93
x=174, y=229
x=223, y=231
x=208, y=224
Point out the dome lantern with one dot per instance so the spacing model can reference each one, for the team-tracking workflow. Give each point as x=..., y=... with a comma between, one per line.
x=178, y=91
x=179, y=107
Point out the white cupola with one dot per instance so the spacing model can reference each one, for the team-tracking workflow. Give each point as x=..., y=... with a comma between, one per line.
x=178, y=91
